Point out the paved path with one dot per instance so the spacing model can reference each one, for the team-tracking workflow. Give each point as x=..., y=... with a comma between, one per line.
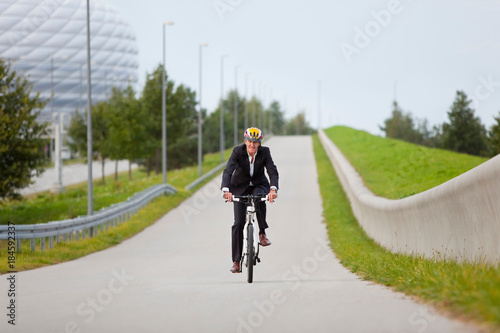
x=174, y=276
x=73, y=174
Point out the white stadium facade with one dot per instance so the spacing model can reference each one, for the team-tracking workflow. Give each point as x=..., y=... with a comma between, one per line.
x=45, y=40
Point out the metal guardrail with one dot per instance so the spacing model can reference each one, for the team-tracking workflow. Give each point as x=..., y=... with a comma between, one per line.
x=84, y=226
x=205, y=176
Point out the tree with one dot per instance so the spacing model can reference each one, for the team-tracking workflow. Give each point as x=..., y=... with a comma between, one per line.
x=299, y=125
x=77, y=133
x=254, y=107
x=433, y=137
x=211, y=125
x=464, y=133
x=101, y=143
x=494, y=138
x=21, y=143
x=276, y=118
x=402, y=126
x=269, y=121
x=182, y=122
x=229, y=132
x=127, y=131
x=151, y=112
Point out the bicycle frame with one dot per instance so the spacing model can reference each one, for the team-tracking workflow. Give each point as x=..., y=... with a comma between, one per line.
x=248, y=229
x=250, y=217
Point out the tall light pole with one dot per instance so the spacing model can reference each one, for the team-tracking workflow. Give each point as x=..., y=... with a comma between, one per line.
x=259, y=106
x=164, y=112
x=236, y=104
x=90, y=205
x=246, y=100
x=57, y=126
x=52, y=139
x=254, y=118
x=270, y=110
x=200, y=118
x=264, y=113
x=284, y=114
x=222, y=107
x=81, y=89
x=319, y=104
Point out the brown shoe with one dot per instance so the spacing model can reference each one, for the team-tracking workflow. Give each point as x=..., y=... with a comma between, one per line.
x=264, y=241
x=236, y=267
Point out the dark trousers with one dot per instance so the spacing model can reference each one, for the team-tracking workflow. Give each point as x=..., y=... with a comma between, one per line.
x=240, y=210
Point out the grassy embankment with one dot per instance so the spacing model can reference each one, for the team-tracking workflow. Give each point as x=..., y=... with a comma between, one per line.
x=396, y=169
x=44, y=207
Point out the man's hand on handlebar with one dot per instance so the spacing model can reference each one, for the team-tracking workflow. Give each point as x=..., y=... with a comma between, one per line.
x=228, y=196
x=272, y=195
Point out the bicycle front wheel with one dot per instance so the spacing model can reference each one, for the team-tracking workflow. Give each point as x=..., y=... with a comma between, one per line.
x=251, y=253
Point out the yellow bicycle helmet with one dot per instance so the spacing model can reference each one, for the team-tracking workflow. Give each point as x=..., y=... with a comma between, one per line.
x=253, y=134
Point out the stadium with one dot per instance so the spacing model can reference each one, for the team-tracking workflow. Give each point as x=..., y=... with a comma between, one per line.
x=46, y=42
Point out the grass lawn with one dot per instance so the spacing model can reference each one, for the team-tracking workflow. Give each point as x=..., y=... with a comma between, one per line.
x=469, y=291
x=45, y=207
x=396, y=169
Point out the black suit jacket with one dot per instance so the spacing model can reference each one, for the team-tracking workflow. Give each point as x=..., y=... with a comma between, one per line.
x=237, y=177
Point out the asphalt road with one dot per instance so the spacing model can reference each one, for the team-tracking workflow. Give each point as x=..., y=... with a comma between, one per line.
x=174, y=276
x=73, y=174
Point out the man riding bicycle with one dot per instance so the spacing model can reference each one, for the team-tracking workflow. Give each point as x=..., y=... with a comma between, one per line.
x=244, y=174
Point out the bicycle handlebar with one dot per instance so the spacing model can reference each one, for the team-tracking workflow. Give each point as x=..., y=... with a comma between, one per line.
x=249, y=197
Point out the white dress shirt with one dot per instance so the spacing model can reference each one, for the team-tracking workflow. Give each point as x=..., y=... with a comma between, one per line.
x=252, y=164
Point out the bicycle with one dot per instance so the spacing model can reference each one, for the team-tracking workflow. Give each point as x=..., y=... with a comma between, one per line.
x=250, y=255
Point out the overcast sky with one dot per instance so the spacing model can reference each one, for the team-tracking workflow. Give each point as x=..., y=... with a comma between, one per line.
x=364, y=52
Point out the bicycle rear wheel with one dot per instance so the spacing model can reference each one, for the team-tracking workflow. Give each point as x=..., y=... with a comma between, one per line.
x=251, y=253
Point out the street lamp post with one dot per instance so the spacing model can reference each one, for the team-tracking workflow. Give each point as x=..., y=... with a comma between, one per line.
x=259, y=106
x=90, y=205
x=270, y=110
x=246, y=100
x=254, y=99
x=222, y=107
x=52, y=139
x=264, y=101
x=81, y=90
x=319, y=105
x=57, y=126
x=284, y=114
x=236, y=104
x=164, y=112
x=200, y=118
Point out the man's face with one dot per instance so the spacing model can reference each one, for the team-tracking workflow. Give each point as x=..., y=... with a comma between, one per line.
x=252, y=147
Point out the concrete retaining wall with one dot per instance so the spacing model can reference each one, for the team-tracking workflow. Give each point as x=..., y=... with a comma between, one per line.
x=459, y=219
